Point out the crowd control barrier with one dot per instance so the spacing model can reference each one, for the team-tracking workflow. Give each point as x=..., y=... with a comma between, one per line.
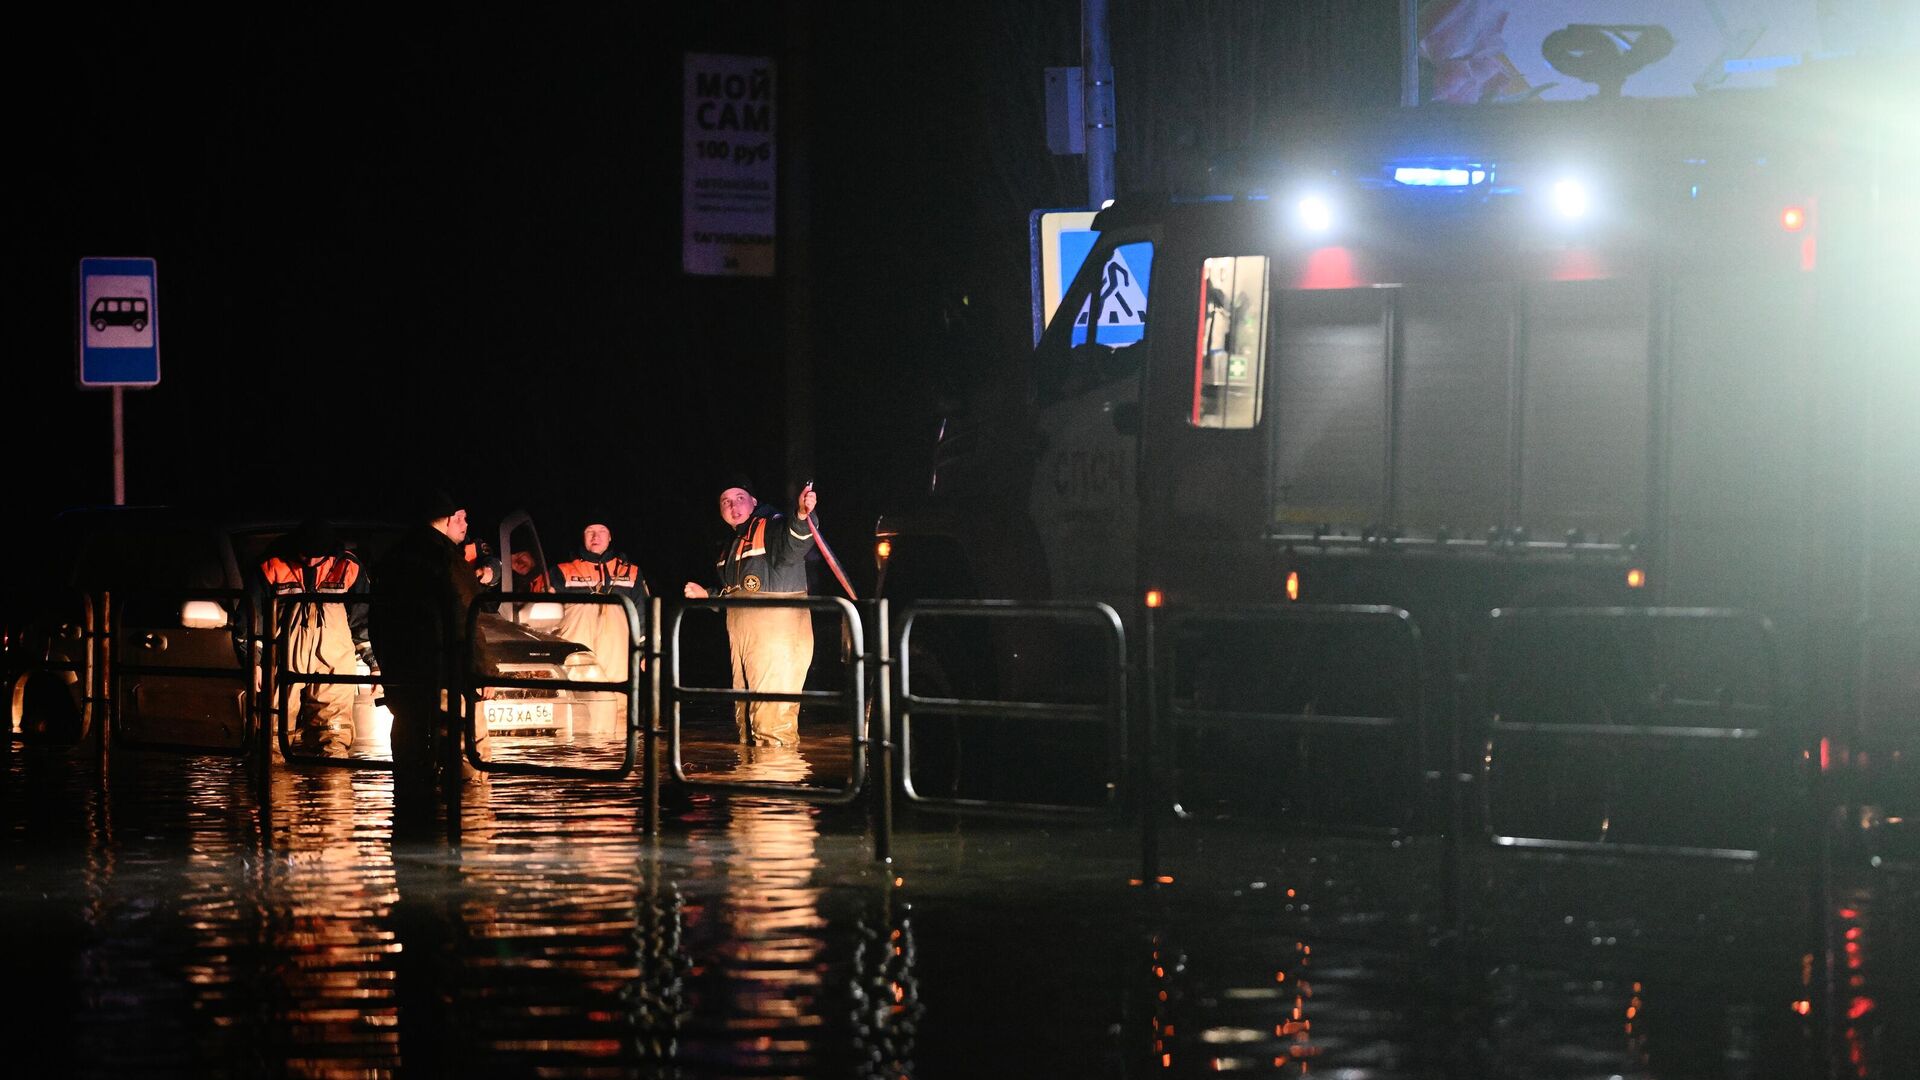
x=1107, y=718
x=1634, y=731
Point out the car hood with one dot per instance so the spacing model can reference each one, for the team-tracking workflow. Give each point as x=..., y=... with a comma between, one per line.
x=508, y=642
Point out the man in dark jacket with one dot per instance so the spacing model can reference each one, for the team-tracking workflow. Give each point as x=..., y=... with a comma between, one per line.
x=772, y=646
x=423, y=586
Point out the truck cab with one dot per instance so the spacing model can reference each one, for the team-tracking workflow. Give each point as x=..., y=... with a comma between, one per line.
x=1595, y=355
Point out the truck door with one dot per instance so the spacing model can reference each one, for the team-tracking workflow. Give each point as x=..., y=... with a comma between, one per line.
x=1083, y=501
x=1203, y=477
x=523, y=562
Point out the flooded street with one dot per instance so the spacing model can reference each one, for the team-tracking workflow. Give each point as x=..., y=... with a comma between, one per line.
x=154, y=926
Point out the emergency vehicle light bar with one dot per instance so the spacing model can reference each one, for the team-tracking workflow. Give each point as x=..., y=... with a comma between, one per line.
x=1428, y=176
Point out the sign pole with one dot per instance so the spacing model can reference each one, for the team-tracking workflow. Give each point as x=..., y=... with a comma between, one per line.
x=119, y=340
x=119, y=446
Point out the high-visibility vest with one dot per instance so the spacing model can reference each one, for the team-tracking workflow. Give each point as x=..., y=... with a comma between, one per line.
x=585, y=575
x=333, y=574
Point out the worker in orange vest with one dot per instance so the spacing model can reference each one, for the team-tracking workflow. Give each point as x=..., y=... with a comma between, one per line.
x=772, y=646
x=319, y=638
x=600, y=627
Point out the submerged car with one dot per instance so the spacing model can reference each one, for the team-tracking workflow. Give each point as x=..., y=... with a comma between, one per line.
x=183, y=667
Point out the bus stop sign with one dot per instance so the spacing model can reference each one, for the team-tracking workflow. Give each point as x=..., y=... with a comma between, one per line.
x=119, y=327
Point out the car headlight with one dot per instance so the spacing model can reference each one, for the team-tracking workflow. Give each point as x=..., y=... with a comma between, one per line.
x=583, y=666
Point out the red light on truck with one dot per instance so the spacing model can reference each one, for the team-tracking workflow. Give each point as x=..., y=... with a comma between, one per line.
x=1293, y=585
x=1154, y=599
x=1636, y=578
x=1793, y=219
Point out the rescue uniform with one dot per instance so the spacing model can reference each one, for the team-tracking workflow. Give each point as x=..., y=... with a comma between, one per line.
x=320, y=639
x=600, y=627
x=772, y=646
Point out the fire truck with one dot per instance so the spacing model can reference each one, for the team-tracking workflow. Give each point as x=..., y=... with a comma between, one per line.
x=1623, y=354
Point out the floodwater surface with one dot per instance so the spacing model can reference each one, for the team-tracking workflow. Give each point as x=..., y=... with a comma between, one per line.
x=157, y=920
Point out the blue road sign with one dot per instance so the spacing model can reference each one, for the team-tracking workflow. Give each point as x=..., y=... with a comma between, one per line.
x=1060, y=241
x=119, y=323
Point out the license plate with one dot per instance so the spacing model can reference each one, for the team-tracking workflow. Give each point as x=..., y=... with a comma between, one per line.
x=519, y=714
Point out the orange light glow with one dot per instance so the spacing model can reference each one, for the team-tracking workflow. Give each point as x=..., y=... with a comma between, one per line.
x=1165, y=879
x=1793, y=219
x=1636, y=578
x=1166, y=1061
x=1154, y=598
x=1803, y=1007
x=883, y=549
x=1293, y=585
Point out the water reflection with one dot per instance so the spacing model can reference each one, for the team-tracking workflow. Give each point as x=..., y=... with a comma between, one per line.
x=763, y=938
x=161, y=924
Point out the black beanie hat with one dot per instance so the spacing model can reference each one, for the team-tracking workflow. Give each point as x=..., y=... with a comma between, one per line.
x=436, y=505
x=315, y=536
x=736, y=480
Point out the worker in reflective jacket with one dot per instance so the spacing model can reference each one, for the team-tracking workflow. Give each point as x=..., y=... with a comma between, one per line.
x=600, y=627
x=772, y=646
x=319, y=638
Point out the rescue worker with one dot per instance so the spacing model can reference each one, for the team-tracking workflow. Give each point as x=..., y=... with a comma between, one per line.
x=419, y=628
x=485, y=564
x=772, y=646
x=319, y=638
x=600, y=627
x=527, y=576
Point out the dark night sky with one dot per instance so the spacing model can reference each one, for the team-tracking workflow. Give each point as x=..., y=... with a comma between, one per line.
x=443, y=249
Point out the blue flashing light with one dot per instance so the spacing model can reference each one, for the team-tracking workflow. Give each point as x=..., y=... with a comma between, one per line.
x=1427, y=176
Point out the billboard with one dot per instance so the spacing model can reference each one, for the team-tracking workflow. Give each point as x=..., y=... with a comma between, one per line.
x=1475, y=51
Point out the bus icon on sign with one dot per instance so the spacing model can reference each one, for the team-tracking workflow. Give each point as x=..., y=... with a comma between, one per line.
x=119, y=311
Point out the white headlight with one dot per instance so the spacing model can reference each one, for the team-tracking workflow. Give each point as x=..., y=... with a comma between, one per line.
x=203, y=615
x=545, y=613
x=583, y=666
x=1315, y=214
x=1570, y=199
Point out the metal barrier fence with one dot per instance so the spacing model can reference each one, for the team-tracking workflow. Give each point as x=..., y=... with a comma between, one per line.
x=1877, y=763
x=1622, y=673
x=1177, y=714
x=478, y=678
x=1737, y=720
x=673, y=695
x=1111, y=714
x=279, y=680
x=211, y=641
